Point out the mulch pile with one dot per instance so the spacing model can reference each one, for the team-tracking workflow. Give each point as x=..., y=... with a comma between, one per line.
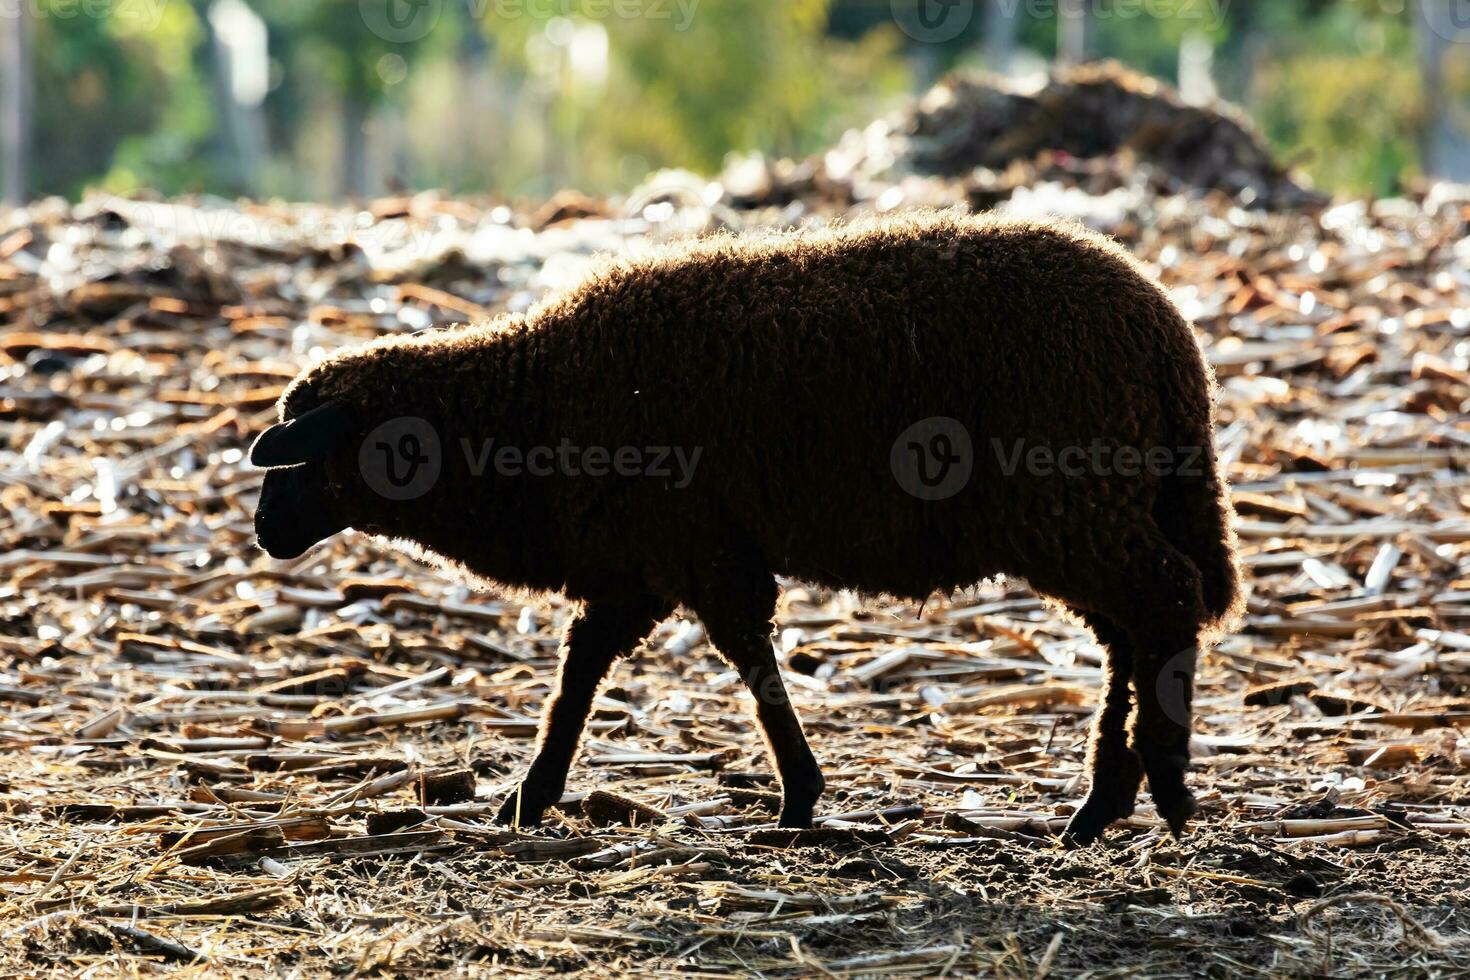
x=992, y=135
x=1095, y=111
x=271, y=767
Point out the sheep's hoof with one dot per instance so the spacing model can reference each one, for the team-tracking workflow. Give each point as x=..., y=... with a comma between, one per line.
x=1172, y=798
x=1177, y=813
x=517, y=811
x=1087, y=824
x=796, y=817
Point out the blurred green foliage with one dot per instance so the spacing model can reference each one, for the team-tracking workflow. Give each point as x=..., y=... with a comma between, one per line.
x=522, y=96
x=97, y=85
x=735, y=76
x=1341, y=93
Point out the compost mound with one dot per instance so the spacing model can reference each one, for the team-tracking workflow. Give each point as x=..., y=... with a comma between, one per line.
x=994, y=134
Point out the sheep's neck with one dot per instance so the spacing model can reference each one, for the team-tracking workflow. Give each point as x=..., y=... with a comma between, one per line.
x=484, y=513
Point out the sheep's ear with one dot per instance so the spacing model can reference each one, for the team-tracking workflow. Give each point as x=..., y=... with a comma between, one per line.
x=302, y=439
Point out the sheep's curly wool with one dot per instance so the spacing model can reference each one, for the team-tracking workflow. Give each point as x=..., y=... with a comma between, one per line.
x=791, y=363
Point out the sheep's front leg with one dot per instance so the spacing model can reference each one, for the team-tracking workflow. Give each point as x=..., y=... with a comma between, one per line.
x=737, y=603
x=602, y=632
x=751, y=653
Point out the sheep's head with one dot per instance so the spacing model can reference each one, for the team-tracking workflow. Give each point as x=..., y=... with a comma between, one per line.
x=298, y=503
x=362, y=437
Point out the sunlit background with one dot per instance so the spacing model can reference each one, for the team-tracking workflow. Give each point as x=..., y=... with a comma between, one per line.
x=521, y=97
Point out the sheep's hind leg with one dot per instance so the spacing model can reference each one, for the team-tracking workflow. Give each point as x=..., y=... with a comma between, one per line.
x=602, y=632
x=1114, y=767
x=1164, y=624
x=1151, y=593
x=1164, y=677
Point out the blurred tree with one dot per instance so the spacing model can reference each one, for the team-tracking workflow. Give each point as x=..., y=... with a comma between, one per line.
x=522, y=96
x=1002, y=31
x=1340, y=90
x=1074, y=31
x=938, y=35
x=94, y=87
x=1444, y=65
x=229, y=33
x=15, y=107
x=733, y=77
x=169, y=152
x=331, y=47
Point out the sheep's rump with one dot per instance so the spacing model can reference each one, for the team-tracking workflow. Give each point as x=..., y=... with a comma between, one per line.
x=830, y=384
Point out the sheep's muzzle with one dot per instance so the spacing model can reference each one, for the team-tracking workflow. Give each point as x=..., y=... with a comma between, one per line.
x=295, y=511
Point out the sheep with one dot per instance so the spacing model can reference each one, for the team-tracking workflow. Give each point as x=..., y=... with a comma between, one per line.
x=901, y=407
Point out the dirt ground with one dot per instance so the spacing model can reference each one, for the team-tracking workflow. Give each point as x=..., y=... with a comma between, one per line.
x=973, y=883
x=212, y=761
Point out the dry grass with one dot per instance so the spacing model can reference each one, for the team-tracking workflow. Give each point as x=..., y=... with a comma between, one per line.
x=213, y=761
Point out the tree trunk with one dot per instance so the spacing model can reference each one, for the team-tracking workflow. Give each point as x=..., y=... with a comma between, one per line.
x=354, y=145
x=1074, y=31
x=925, y=61
x=1446, y=137
x=226, y=142
x=1249, y=42
x=1002, y=26
x=16, y=97
x=1197, y=68
x=478, y=115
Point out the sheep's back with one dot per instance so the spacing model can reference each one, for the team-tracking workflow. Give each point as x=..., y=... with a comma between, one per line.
x=794, y=368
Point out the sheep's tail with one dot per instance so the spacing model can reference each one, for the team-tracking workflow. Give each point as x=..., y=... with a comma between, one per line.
x=1193, y=506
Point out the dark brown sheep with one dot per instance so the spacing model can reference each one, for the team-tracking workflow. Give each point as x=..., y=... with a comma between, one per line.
x=905, y=407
